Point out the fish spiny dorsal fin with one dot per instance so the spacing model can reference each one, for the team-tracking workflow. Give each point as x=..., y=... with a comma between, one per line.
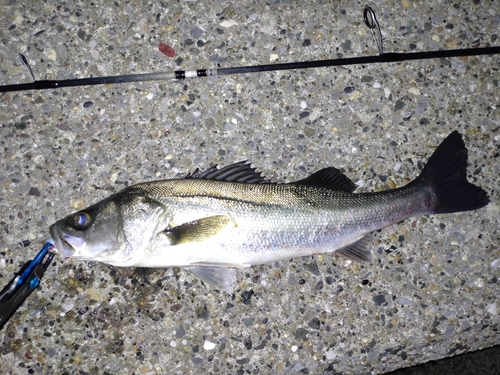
x=237, y=172
x=328, y=178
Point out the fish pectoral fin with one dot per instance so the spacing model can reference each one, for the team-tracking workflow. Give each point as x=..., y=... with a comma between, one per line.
x=358, y=251
x=196, y=230
x=218, y=277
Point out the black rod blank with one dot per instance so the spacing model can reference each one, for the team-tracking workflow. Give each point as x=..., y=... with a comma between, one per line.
x=382, y=58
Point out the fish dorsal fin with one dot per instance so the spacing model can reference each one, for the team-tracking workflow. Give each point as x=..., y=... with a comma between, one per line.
x=237, y=172
x=196, y=230
x=215, y=276
x=329, y=178
x=358, y=251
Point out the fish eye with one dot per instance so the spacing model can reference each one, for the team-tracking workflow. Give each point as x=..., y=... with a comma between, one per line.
x=82, y=220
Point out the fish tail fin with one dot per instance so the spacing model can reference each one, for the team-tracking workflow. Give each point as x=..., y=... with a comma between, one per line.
x=446, y=171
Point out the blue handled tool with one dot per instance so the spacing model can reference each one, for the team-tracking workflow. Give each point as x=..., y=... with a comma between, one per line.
x=23, y=283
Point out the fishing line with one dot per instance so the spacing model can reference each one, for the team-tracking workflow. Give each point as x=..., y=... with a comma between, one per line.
x=370, y=21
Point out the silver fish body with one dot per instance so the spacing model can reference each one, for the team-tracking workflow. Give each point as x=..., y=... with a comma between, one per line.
x=234, y=224
x=234, y=217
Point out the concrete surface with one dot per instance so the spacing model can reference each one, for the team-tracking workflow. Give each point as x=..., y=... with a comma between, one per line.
x=432, y=290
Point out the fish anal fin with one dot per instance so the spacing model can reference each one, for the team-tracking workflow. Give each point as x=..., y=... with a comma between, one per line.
x=358, y=251
x=197, y=230
x=215, y=276
x=329, y=178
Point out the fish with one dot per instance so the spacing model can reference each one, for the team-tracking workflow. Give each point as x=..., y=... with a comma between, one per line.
x=211, y=221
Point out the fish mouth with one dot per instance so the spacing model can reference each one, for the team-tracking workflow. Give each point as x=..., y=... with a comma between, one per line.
x=65, y=244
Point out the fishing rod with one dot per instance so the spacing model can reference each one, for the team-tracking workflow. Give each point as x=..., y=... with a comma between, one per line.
x=370, y=21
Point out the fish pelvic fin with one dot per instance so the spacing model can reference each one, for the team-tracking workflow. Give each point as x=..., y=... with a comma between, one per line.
x=358, y=251
x=446, y=172
x=215, y=276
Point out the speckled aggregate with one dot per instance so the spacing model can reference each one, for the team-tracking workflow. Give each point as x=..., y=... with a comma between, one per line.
x=432, y=290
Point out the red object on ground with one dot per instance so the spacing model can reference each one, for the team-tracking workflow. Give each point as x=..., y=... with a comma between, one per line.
x=166, y=50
